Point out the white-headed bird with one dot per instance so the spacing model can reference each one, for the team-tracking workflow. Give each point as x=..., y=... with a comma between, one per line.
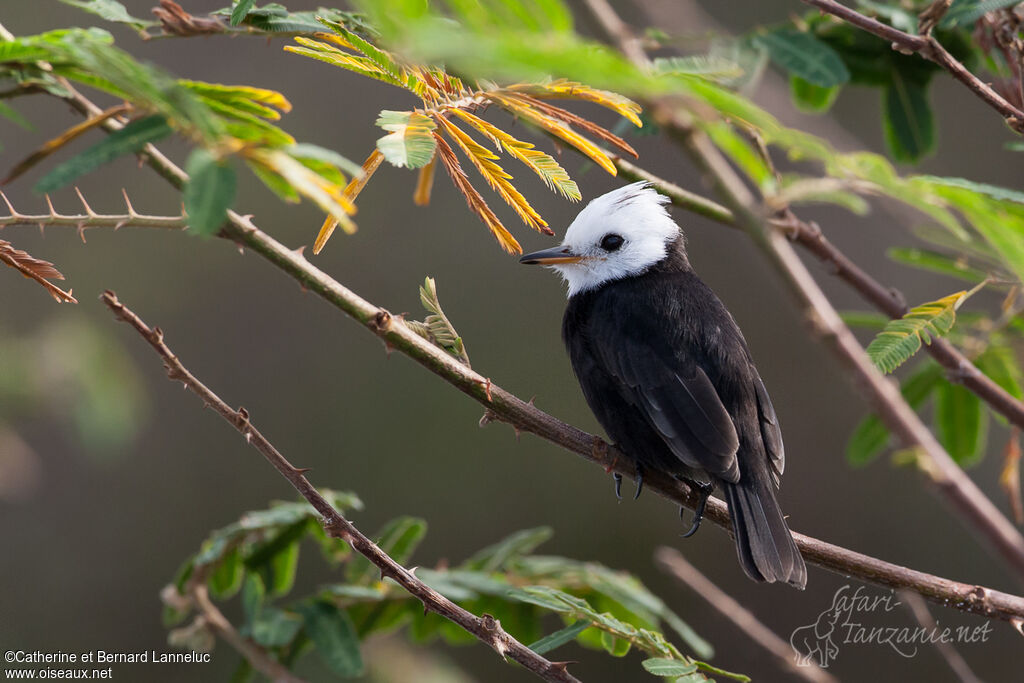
x=666, y=370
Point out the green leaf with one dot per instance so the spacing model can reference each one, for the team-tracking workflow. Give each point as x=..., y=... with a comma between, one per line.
x=1001, y=365
x=902, y=338
x=810, y=97
x=209, y=193
x=239, y=11
x=12, y=114
x=712, y=67
x=283, y=568
x=128, y=140
x=993, y=191
x=803, y=55
x=398, y=539
x=274, y=627
x=560, y=637
x=616, y=647
x=961, y=423
x=253, y=595
x=936, y=263
x=411, y=141
x=227, y=578
x=334, y=637
x=660, y=666
x=907, y=118
x=497, y=556
x=966, y=12
x=871, y=436
x=111, y=10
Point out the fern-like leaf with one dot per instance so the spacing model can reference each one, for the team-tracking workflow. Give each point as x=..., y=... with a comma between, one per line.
x=902, y=338
x=436, y=327
x=410, y=141
x=549, y=170
x=473, y=198
x=495, y=175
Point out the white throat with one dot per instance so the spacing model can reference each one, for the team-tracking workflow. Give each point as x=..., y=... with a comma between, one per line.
x=637, y=214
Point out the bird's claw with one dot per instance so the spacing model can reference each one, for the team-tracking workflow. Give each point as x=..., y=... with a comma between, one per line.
x=639, y=482
x=618, y=485
x=704, y=489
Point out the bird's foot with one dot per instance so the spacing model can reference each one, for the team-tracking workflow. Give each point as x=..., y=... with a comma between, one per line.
x=618, y=485
x=704, y=489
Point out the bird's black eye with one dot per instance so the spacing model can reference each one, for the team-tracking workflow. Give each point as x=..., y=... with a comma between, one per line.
x=611, y=242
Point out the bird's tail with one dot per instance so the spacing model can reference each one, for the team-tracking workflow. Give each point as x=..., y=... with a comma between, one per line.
x=763, y=541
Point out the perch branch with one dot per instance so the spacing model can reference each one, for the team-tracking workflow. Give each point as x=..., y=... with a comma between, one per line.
x=486, y=628
x=670, y=560
x=929, y=48
x=525, y=416
x=951, y=482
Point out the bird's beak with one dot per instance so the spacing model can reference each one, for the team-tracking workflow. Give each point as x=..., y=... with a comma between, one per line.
x=551, y=257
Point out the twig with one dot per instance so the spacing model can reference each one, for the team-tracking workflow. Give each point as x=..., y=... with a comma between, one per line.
x=929, y=48
x=942, y=472
x=670, y=560
x=91, y=219
x=486, y=628
x=219, y=624
x=525, y=416
x=919, y=609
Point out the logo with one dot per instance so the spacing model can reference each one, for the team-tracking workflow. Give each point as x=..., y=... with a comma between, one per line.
x=858, y=618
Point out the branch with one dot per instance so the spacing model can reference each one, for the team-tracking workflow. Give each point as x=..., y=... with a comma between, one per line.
x=942, y=472
x=506, y=407
x=929, y=48
x=485, y=628
x=219, y=624
x=676, y=565
x=949, y=653
x=886, y=299
x=91, y=219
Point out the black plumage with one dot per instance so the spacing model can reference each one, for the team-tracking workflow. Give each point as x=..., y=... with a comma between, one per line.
x=668, y=374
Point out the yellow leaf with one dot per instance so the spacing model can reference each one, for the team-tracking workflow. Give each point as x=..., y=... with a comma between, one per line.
x=424, y=183
x=549, y=170
x=572, y=90
x=483, y=159
x=555, y=127
x=473, y=198
x=351, y=191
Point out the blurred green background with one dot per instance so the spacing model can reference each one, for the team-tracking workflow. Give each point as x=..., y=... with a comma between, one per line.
x=110, y=475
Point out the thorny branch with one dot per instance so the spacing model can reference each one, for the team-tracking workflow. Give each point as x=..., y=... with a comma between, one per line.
x=753, y=217
x=486, y=628
x=90, y=219
x=929, y=48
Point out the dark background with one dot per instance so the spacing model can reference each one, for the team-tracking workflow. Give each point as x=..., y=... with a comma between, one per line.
x=96, y=522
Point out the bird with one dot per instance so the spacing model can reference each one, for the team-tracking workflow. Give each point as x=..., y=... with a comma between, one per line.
x=666, y=371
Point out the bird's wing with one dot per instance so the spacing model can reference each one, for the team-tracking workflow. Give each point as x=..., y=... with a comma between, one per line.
x=770, y=431
x=679, y=402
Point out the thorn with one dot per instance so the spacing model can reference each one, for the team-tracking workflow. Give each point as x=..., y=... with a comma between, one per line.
x=248, y=436
x=241, y=250
x=301, y=470
x=119, y=225
x=487, y=418
x=518, y=432
x=561, y=667
x=8, y=203
x=42, y=229
x=298, y=252
x=530, y=402
x=88, y=209
x=49, y=203
x=81, y=231
x=388, y=348
x=128, y=202
x=1018, y=624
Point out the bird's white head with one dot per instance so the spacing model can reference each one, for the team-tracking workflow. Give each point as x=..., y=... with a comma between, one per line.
x=617, y=235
